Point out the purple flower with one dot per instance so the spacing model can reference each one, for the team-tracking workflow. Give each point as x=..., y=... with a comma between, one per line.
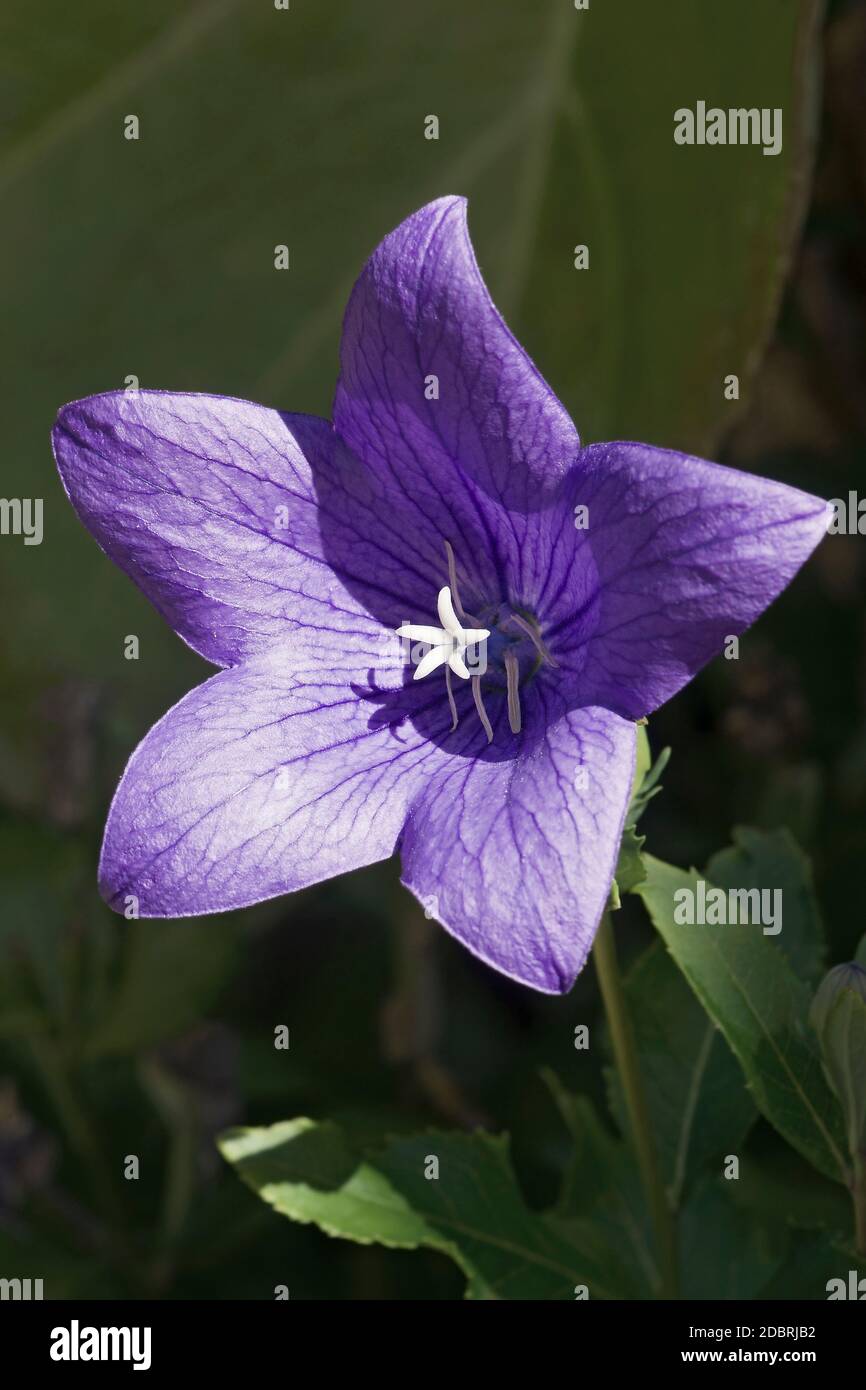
x=554, y=595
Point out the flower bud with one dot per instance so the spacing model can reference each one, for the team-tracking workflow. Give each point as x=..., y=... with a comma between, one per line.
x=838, y=1015
x=848, y=976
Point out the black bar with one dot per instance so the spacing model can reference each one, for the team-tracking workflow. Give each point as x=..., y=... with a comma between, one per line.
x=259, y=1338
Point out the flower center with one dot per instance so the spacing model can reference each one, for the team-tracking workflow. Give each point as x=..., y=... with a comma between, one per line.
x=500, y=648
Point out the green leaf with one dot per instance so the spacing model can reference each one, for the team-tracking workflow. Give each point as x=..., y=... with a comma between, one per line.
x=698, y=1103
x=647, y=779
x=773, y=859
x=643, y=759
x=601, y=1199
x=725, y=1252
x=630, y=870
x=473, y=1211
x=629, y=866
x=656, y=215
x=814, y=1269
x=747, y=986
x=779, y=1188
x=548, y=124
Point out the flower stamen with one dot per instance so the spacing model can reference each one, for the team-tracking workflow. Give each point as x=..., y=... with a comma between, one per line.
x=535, y=638
x=452, y=580
x=512, y=678
x=451, y=703
x=479, y=705
x=451, y=643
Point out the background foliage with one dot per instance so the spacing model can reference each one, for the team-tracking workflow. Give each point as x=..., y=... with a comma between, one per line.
x=155, y=258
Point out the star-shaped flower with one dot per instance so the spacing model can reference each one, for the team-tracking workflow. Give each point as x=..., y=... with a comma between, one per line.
x=590, y=583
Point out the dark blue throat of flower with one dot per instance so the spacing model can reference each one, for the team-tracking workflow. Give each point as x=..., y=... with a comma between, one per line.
x=497, y=648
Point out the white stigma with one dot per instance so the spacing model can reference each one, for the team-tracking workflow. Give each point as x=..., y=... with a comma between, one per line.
x=447, y=643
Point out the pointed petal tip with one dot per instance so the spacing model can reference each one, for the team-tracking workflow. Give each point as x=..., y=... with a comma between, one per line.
x=525, y=892
x=61, y=426
x=544, y=976
x=456, y=203
x=200, y=823
x=111, y=881
x=712, y=547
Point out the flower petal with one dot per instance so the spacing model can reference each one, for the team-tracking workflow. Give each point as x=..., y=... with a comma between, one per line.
x=437, y=398
x=677, y=556
x=210, y=505
x=258, y=783
x=515, y=856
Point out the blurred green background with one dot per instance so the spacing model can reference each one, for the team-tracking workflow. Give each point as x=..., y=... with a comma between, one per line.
x=155, y=258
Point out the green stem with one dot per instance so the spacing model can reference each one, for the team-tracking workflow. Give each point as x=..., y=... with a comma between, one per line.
x=625, y=1056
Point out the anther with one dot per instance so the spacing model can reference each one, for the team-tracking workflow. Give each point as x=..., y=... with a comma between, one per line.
x=512, y=678
x=452, y=581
